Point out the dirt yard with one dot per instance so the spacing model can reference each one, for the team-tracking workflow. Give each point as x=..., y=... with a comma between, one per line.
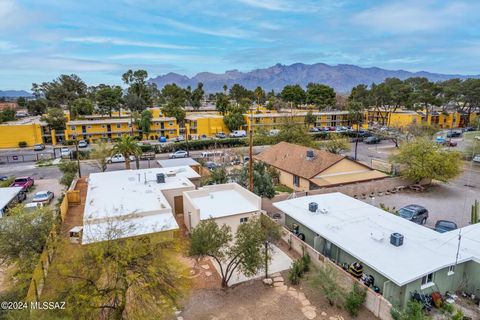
x=254, y=300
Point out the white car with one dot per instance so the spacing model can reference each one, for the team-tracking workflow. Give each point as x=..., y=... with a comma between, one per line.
x=43, y=196
x=179, y=154
x=476, y=158
x=33, y=205
x=82, y=144
x=117, y=158
x=238, y=134
x=65, y=152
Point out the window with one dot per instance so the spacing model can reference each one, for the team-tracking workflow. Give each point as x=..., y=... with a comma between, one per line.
x=427, y=281
x=243, y=220
x=451, y=270
x=119, y=134
x=296, y=181
x=103, y=126
x=72, y=128
x=170, y=123
x=119, y=125
x=89, y=126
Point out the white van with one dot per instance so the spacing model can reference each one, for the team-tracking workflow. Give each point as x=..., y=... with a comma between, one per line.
x=238, y=134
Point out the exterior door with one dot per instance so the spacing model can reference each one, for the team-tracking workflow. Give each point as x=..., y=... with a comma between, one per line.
x=178, y=204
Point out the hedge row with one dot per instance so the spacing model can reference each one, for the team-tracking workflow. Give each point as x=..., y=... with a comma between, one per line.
x=205, y=144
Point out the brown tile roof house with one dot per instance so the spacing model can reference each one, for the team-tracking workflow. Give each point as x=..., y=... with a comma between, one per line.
x=305, y=168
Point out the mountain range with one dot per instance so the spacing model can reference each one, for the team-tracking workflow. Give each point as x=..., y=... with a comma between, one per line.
x=15, y=94
x=342, y=77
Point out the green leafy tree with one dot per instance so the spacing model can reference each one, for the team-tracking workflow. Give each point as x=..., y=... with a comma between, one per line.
x=134, y=278
x=336, y=144
x=222, y=103
x=174, y=109
x=7, y=115
x=109, y=99
x=426, y=160
x=295, y=133
x=413, y=311
x=173, y=93
x=239, y=92
x=55, y=118
x=259, y=94
x=69, y=170
x=320, y=95
x=23, y=235
x=138, y=86
x=234, y=119
x=38, y=106
x=81, y=107
x=22, y=102
x=425, y=94
x=310, y=119
x=242, y=253
x=326, y=279
x=262, y=179
x=197, y=96
x=100, y=154
x=127, y=146
x=145, y=121
x=134, y=103
x=294, y=94
x=61, y=91
x=218, y=176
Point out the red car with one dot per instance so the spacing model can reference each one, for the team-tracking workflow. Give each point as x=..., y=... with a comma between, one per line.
x=24, y=182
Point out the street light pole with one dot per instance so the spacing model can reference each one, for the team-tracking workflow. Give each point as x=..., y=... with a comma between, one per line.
x=251, y=153
x=78, y=157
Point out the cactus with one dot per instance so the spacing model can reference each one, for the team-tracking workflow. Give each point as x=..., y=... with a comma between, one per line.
x=474, y=215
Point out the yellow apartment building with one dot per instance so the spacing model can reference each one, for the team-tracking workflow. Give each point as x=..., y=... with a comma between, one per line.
x=30, y=130
x=114, y=128
x=207, y=124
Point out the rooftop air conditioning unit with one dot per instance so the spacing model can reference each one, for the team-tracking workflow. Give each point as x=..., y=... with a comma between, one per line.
x=310, y=155
x=160, y=178
x=396, y=239
x=313, y=207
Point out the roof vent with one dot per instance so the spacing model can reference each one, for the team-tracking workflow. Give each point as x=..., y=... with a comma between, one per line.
x=396, y=239
x=160, y=178
x=310, y=155
x=313, y=207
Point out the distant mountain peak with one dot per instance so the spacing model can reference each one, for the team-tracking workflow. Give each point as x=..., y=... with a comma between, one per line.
x=15, y=94
x=342, y=77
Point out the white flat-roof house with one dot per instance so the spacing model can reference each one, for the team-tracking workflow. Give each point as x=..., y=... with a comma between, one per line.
x=8, y=196
x=129, y=203
x=347, y=230
x=228, y=204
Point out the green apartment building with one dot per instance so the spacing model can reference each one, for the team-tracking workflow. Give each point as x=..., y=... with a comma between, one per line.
x=402, y=256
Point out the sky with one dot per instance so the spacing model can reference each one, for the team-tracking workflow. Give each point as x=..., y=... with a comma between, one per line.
x=99, y=40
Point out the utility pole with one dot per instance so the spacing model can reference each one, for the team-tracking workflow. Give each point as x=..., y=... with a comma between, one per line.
x=251, y=152
x=78, y=157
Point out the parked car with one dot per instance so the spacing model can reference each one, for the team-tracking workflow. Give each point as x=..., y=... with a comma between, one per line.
x=33, y=205
x=454, y=134
x=364, y=133
x=476, y=158
x=24, y=182
x=43, y=197
x=274, y=132
x=162, y=139
x=179, y=154
x=117, y=158
x=372, y=140
x=208, y=154
x=414, y=213
x=179, y=139
x=82, y=144
x=314, y=129
x=147, y=156
x=238, y=134
x=65, y=152
x=450, y=143
x=468, y=129
x=221, y=135
x=440, y=140
x=445, y=225
x=38, y=147
x=210, y=165
x=3, y=178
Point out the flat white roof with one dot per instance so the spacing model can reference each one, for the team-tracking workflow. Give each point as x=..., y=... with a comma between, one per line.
x=167, y=163
x=223, y=200
x=364, y=232
x=131, y=200
x=7, y=195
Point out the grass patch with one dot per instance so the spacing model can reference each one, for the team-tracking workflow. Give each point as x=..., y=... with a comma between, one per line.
x=283, y=188
x=44, y=163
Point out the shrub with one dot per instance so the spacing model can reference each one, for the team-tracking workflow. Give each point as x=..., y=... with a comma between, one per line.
x=306, y=262
x=22, y=144
x=295, y=272
x=326, y=280
x=147, y=148
x=205, y=144
x=355, y=299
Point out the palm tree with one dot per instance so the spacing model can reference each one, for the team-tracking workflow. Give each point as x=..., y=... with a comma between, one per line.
x=127, y=146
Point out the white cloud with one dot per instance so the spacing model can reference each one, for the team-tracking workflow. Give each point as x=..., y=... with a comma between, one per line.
x=122, y=42
x=164, y=57
x=58, y=63
x=7, y=46
x=223, y=32
x=284, y=6
x=411, y=16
